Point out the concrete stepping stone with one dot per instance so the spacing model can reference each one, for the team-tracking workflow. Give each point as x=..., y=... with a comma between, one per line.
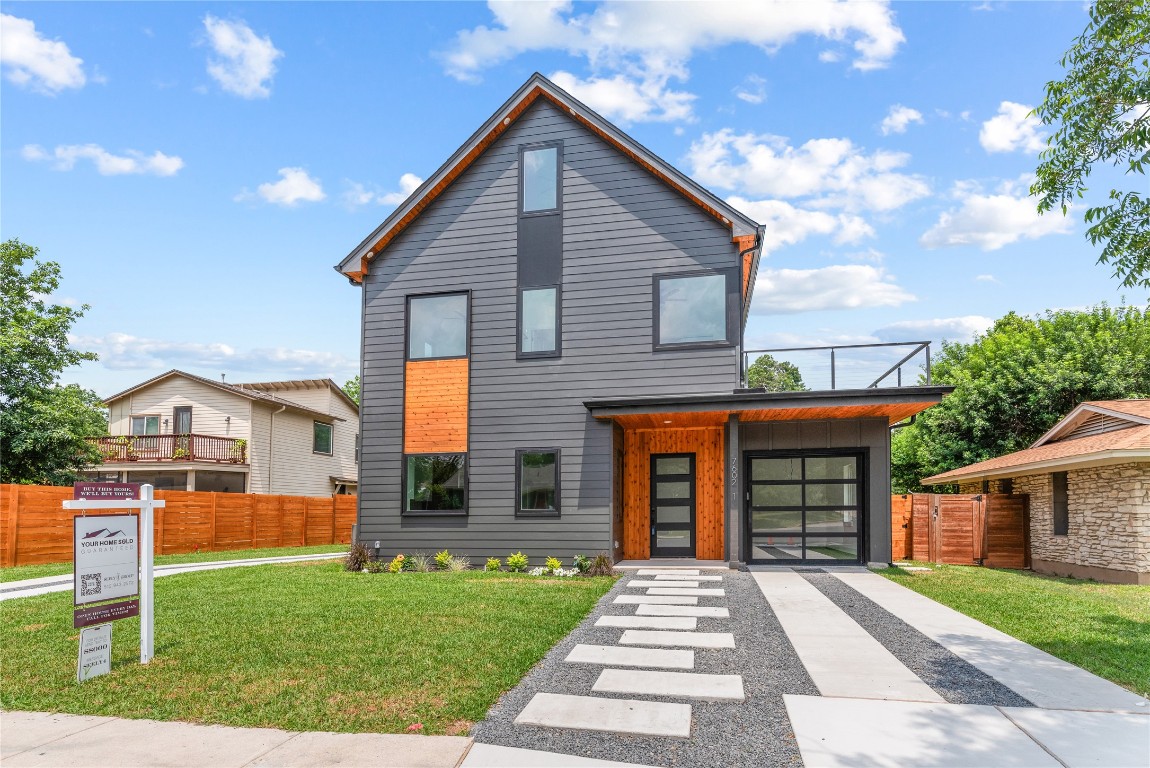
x=676, y=577
x=636, y=583
x=667, y=572
x=683, y=610
x=657, y=600
x=691, y=639
x=669, y=590
x=591, y=713
x=494, y=756
x=688, y=685
x=630, y=657
x=648, y=622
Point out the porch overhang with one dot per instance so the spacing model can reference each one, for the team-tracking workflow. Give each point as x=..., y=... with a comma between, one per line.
x=750, y=405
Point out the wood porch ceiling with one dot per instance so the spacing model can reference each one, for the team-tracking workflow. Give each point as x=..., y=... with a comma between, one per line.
x=893, y=412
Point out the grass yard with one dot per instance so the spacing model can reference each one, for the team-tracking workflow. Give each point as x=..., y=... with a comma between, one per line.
x=1104, y=628
x=302, y=647
x=19, y=572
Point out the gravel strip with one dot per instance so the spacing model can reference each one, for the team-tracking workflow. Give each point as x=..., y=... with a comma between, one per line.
x=753, y=733
x=957, y=681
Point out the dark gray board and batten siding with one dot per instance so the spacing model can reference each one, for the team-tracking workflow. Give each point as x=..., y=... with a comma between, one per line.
x=621, y=226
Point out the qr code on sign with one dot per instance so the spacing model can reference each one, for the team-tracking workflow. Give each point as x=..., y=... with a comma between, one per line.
x=89, y=584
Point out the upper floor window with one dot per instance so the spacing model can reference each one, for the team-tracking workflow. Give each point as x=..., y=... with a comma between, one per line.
x=539, y=179
x=437, y=326
x=539, y=322
x=693, y=309
x=321, y=438
x=145, y=425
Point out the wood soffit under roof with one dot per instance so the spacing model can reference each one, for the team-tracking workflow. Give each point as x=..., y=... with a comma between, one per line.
x=892, y=412
x=425, y=197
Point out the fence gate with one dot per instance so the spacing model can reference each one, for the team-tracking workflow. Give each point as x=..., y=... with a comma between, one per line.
x=989, y=529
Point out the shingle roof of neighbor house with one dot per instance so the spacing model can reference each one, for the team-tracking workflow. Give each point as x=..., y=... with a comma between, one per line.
x=1096, y=432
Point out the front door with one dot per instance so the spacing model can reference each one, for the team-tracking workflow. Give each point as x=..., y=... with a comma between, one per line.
x=673, y=505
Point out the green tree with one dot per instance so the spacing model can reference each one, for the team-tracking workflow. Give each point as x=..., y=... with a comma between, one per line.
x=775, y=375
x=42, y=424
x=351, y=389
x=1101, y=110
x=1016, y=381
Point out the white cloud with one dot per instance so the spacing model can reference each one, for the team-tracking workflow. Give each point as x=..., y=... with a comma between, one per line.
x=985, y=279
x=950, y=328
x=293, y=187
x=121, y=351
x=653, y=41
x=245, y=62
x=899, y=117
x=358, y=194
x=834, y=172
x=753, y=90
x=627, y=100
x=842, y=286
x=786, y=225
x=1011, y=129
x=991, y=221
x=33, y=61
x=107, y=164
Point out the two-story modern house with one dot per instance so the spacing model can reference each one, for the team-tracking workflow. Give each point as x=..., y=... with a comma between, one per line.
x=552, y=361
x=178, y=431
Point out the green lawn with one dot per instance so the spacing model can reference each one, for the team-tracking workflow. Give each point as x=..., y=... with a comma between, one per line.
x=302, y=647
x=20, y=572
x=1104, y=628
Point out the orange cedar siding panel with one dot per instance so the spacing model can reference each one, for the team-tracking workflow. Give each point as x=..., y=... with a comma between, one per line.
x=742, y=243
x=435, y=406
x=707, y=445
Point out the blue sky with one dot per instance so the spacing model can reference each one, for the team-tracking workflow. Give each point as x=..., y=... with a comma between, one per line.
x=198, y=168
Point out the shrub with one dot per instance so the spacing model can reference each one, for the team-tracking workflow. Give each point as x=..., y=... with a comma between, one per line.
x=443, y=560
x=493, y=564
x=357, y=557
x=554, y=564
x=517, y=562
x=459, y=564
x=396, y=565
x=375, y=566
x=420, y=563
x=601, y=566
x=581, y=563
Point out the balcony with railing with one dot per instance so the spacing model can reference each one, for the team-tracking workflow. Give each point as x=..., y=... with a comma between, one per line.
x=840, y=367
x=171, y=448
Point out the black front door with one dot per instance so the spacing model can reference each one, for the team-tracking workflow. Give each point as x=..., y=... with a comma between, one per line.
x=673, y=505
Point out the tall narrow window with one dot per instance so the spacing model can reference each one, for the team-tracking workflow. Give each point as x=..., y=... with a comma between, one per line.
x=539, y=322
x=540, y=179
x=1061, y=504
x=321, y=438
x=435, y=483
x=437, y=326
x=537, y=482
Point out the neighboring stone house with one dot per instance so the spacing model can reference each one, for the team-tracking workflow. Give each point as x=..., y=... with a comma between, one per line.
x=178, y=431
x=1088, y=480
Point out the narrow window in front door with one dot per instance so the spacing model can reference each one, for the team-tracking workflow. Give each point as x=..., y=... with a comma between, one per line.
x=673, y=505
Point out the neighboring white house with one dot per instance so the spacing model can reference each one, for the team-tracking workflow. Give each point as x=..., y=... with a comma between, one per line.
x=183, y=432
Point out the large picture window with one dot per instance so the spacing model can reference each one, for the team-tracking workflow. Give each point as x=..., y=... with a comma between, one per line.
x=692, y=310
x=437, y=326
x=540, y=179
x=435, y=484
x=539, y=322
x=537, y=481
x=321, y=437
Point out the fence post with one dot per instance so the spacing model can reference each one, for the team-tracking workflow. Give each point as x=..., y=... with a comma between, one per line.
x=212, y=532
x=334, y=507
x=252, y=511
x=13, y=519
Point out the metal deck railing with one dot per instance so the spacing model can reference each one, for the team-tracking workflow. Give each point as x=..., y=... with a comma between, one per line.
x=844, y=366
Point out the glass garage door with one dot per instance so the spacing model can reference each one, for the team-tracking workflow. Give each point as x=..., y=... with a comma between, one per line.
x=804, y=508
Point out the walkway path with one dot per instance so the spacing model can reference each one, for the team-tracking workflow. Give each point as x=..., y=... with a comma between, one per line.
x=46, y=584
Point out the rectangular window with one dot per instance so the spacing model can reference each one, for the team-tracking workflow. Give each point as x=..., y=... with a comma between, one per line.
x=692, y=310
x=321, y=438
x=537, y=481
x=145, y=425
x=182, y=420
x=1061, y=504
x=435, y=484
x=539, y=322
x=539, y=182
x=437, y=326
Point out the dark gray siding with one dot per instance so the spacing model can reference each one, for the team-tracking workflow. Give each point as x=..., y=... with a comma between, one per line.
x=620, y=227
x=873, y=435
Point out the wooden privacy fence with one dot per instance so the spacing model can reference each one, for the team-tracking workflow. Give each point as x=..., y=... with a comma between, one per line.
x=35, y=528
x=989, y=529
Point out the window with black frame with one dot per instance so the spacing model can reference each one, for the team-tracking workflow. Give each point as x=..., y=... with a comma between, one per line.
x=435, y=483
x=321, y=437
x=437, y=326
x=539, y=322
x=537, y=482
x=692, y=310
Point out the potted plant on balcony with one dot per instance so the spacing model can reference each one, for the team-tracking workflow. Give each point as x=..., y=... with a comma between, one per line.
x=124, y=448
x=236, y=455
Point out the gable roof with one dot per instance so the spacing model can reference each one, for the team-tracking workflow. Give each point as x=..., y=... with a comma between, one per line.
x=1127, y=440
x=298, y=384
x=235, y=389
x=744, y=231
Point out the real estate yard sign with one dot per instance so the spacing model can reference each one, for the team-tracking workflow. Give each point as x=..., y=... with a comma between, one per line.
x=95, y=652
x=107, y=558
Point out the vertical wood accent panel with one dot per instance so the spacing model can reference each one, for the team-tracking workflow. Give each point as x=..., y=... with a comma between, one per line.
x=435, y=406
x=707, y=445
x=901, y=527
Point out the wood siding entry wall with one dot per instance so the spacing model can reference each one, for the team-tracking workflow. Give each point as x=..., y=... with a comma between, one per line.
x=707, y=445
x=435, y=406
